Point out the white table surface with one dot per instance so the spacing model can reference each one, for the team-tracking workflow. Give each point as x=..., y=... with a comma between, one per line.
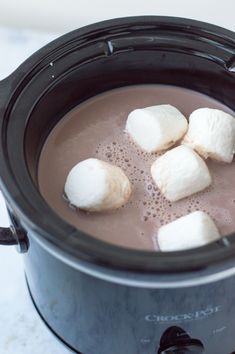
x=21, y=329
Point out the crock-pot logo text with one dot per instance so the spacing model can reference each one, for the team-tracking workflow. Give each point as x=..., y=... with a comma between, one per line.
x=190, y=316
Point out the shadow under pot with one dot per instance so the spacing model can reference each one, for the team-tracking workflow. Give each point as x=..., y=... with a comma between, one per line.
x=96, y=297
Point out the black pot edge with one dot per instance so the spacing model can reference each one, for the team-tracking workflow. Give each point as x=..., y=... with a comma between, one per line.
x=172, y=258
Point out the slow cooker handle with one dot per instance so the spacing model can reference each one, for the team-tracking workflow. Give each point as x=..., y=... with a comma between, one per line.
x=6, y=237
x=14, y=234
x=10, y=236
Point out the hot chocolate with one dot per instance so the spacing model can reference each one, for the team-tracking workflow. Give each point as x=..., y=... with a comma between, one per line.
x=95, y=128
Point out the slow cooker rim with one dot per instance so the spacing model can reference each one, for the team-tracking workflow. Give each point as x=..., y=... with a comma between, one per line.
x=152, y=261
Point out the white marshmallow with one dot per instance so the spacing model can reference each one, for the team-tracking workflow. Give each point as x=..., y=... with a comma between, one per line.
x=180, y=172
x=212, y=134
x=156, y=128
x=193, y=230
x=96, y=185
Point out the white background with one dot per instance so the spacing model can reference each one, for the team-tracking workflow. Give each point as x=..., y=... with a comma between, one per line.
x=64, y=15
x=21, y=330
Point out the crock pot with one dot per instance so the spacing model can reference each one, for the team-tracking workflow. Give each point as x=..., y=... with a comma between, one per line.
x=96, y=297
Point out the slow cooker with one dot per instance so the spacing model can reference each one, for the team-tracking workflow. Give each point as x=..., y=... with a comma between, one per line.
x=96, y=297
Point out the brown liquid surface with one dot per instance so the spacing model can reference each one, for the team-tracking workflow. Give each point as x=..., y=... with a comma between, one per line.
x=96, y=129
